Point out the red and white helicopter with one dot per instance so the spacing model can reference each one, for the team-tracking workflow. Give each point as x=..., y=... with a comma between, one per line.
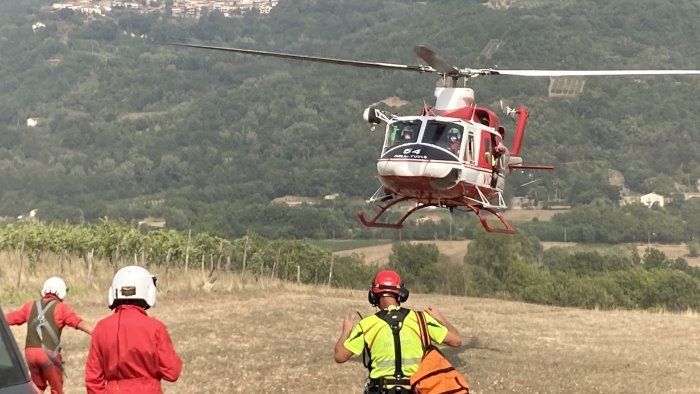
x=451, y=154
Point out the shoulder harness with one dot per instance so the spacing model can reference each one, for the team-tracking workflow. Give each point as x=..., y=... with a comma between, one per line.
x=40, y=324
x=394, y=318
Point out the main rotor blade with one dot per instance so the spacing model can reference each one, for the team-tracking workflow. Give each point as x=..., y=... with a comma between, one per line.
x=355, y=63
x=573, y=73
x=434, y=60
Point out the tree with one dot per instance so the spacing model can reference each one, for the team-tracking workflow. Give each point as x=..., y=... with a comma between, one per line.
x=417, y=265
x=496, y=253
x=654, y=258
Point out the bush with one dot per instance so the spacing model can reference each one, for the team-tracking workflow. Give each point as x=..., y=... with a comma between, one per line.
x=671, y=289
x=481, y=283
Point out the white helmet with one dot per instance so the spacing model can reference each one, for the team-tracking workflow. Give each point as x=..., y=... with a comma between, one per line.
x=54, y=285
x=133, y=283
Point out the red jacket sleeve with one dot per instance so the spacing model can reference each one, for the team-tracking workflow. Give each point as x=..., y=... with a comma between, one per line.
x=169, y=362
x=20, y=316
x=66, y=316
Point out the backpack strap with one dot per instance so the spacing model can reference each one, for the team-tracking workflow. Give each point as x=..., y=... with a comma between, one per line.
x=423, y=328
x=40, y=324
x=394, y=318
x=366, y=356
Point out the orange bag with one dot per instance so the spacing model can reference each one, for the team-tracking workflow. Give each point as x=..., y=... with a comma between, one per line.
x=435, y=374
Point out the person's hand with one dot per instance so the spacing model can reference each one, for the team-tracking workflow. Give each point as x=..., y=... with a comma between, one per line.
x=348, y=322
x=436, y=314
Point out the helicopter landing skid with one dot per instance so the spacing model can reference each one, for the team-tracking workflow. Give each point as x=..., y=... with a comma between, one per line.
x=384, y=207
x=387, y=201
x=508, y=229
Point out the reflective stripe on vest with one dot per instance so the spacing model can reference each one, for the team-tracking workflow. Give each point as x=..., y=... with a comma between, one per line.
x=391, y=363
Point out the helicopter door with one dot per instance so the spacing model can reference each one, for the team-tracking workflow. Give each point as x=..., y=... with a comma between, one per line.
x=486, y=156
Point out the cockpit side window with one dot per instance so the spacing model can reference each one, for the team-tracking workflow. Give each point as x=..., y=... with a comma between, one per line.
x=470, y=148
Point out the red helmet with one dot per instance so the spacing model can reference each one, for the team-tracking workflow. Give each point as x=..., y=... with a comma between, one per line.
x=387, y=282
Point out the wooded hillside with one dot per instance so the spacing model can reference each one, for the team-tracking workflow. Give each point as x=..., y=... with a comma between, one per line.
x=129, y=126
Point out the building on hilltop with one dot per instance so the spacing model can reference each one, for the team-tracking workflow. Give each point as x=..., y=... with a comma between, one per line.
x=293, y=201
x=652, y=199
x=82, y=6
x=648, y=200
x=195, y=8
x=179, y=8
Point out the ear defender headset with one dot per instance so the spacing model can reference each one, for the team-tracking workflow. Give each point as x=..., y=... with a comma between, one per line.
x=387, y=282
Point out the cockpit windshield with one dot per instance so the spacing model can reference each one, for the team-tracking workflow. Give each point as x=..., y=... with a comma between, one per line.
x=447, y=135
x=403, y=132
x=429, y=138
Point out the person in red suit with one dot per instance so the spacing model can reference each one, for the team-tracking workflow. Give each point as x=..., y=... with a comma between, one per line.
x=45, y=320
x=131, y=352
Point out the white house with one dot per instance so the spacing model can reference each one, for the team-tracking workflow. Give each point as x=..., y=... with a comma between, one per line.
x=652, y=199
x=37, y=26
x=429, y=218
x=32, y=122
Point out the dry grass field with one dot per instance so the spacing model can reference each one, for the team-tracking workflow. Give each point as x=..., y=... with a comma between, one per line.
x=273, y=337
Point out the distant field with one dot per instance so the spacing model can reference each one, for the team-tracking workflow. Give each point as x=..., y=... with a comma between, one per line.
x=348, y=244
x=455, y=250
x=278, y=338
x=526, y=215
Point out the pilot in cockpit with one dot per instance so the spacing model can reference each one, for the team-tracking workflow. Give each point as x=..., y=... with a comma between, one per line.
x=407, y=133
x=455, y=138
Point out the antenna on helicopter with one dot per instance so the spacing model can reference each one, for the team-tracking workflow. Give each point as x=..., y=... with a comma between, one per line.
x=530, y=182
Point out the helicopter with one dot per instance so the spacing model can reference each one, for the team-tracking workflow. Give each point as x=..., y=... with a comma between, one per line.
x=451, y=155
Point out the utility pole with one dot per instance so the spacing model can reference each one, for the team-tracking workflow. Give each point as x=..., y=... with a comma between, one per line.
x=450, y=225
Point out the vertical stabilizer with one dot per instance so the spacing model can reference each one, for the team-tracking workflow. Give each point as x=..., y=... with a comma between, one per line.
x=519, y=131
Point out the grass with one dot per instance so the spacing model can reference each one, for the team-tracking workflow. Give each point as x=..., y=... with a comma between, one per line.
x=244, y=336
